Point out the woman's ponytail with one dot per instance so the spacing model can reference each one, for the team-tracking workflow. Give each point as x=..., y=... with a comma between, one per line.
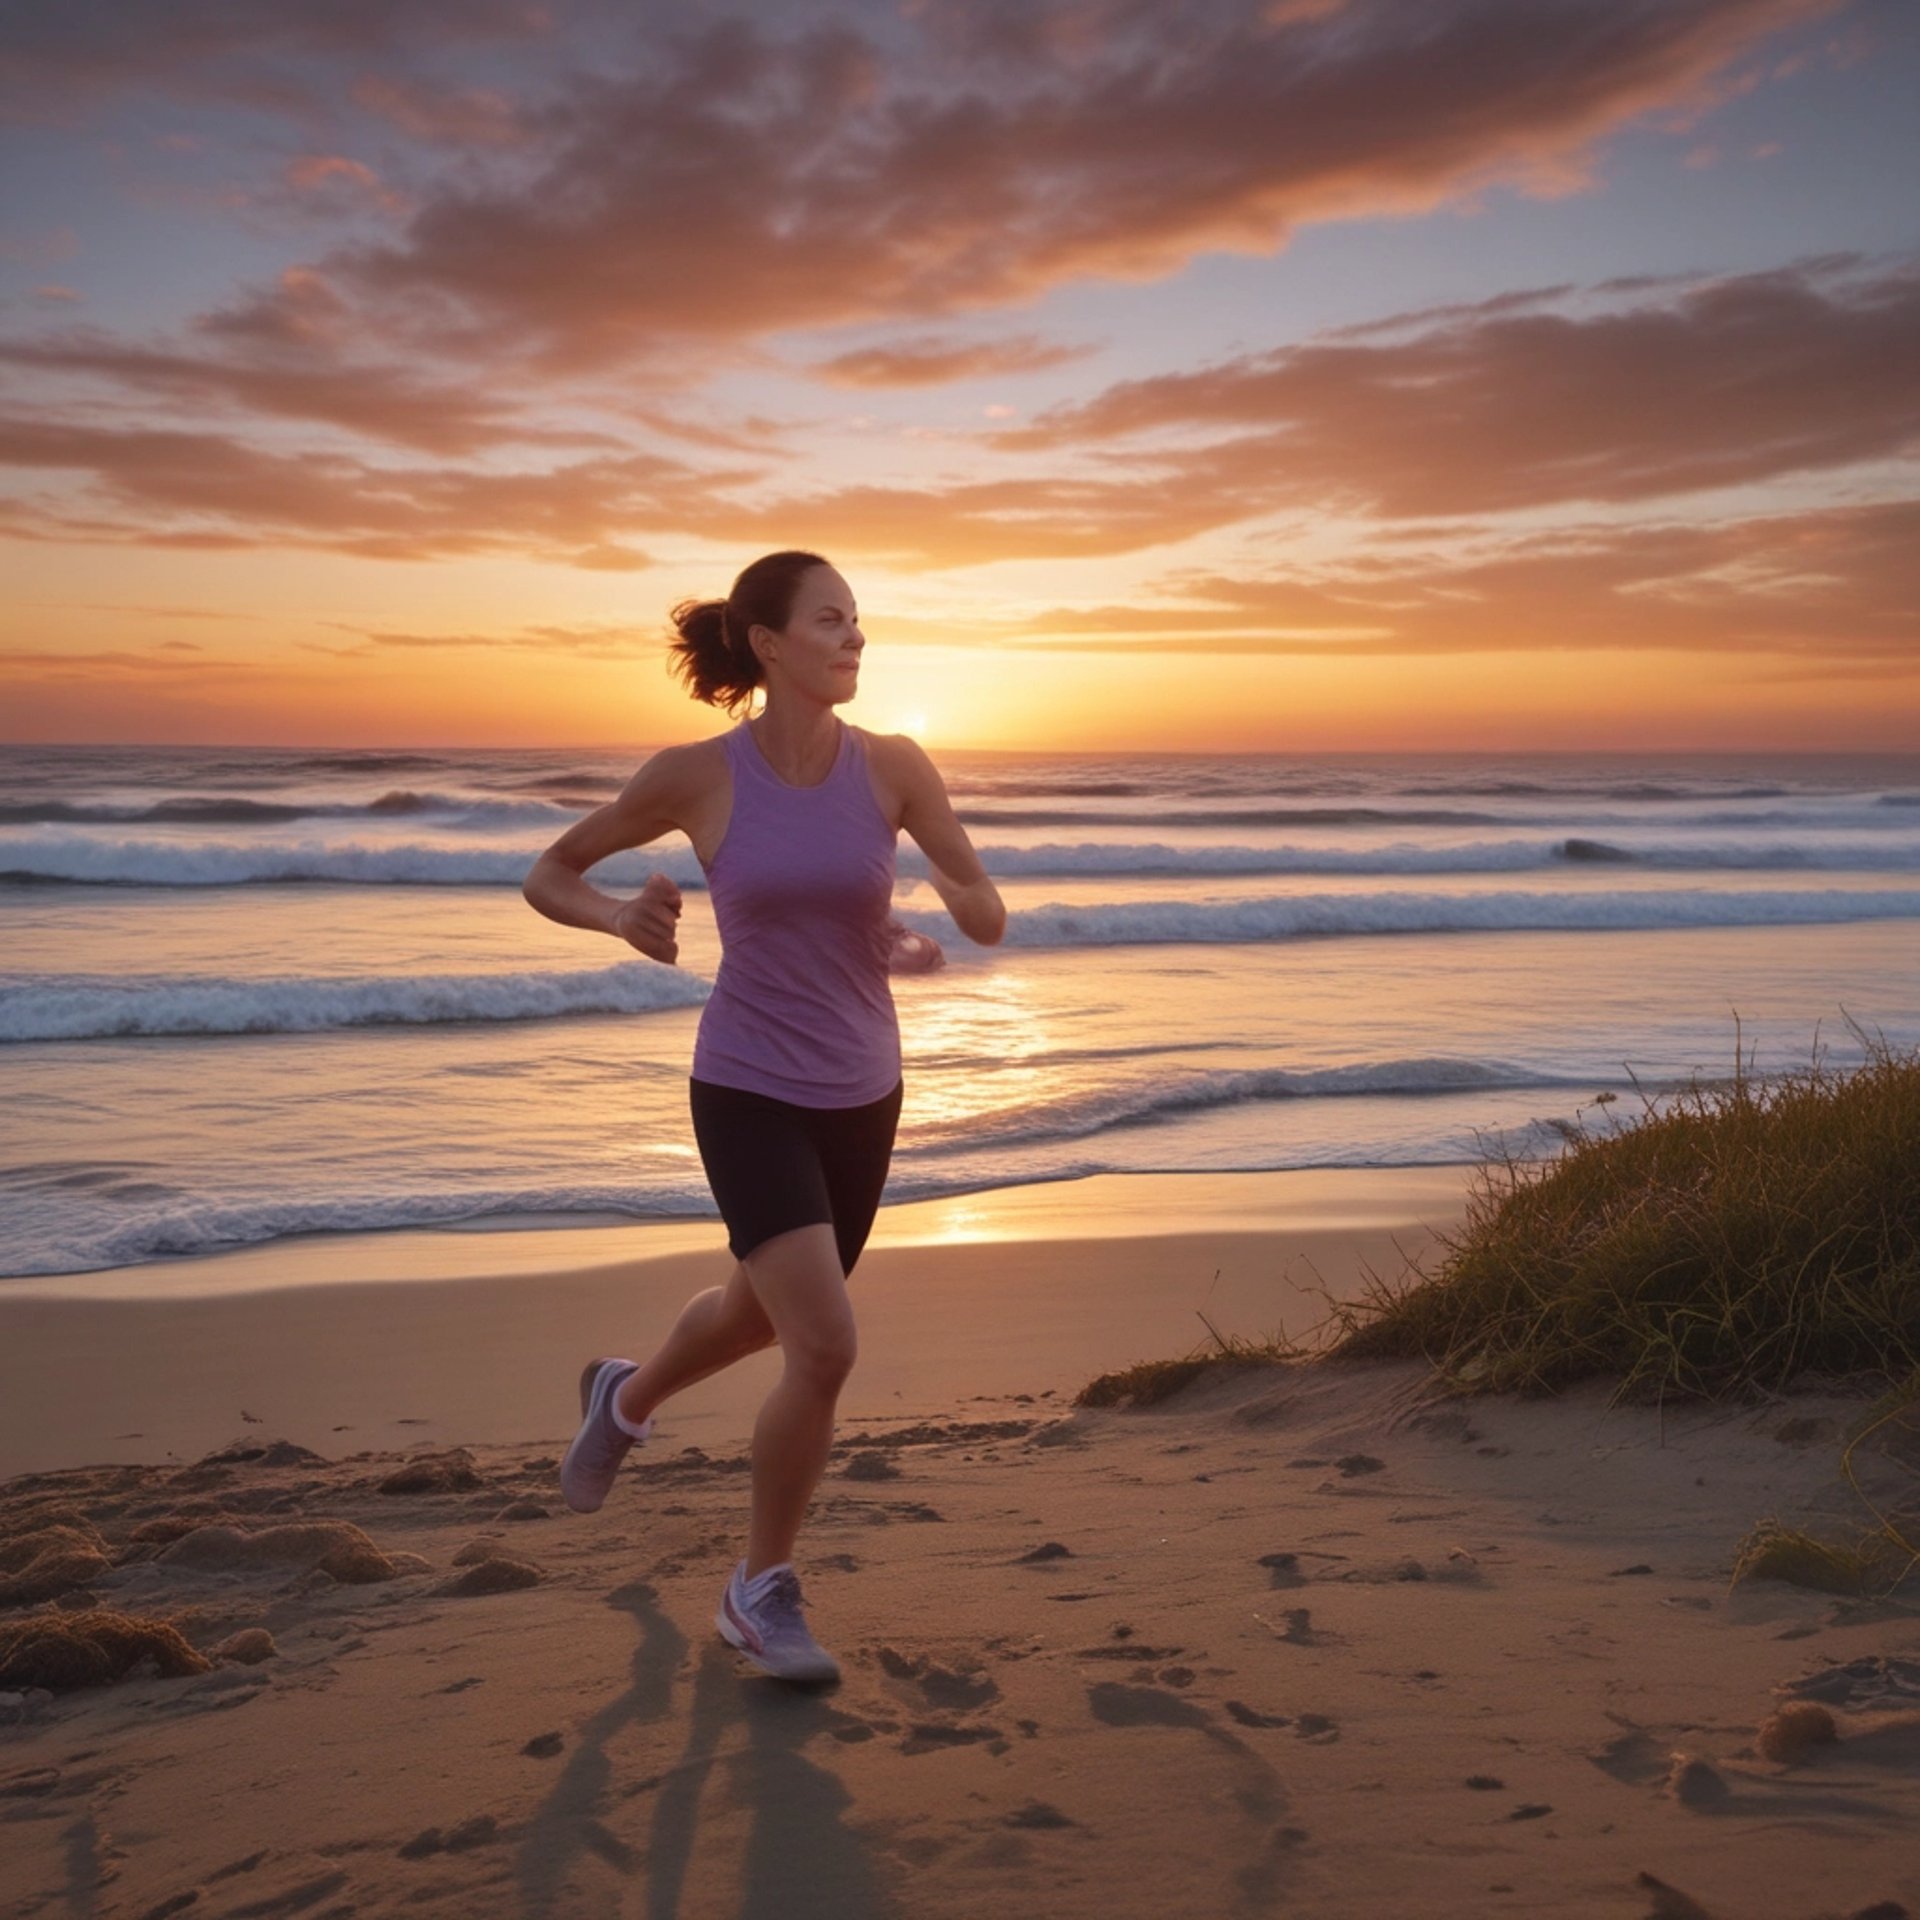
x=706, y=657
x=711, y=651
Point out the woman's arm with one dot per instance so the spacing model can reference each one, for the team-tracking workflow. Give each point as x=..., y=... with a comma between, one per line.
x=648, y=806
x=957, y=875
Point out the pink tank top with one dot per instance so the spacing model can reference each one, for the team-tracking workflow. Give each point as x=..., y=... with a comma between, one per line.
x=802, y=889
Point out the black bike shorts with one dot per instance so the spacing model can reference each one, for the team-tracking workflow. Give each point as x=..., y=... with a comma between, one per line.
x=774, y=1166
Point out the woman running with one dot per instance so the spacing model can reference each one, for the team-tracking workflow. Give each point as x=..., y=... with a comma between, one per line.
x=796, y=1087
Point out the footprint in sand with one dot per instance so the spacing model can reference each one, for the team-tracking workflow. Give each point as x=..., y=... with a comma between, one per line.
x=1634, y=1758
x=1038, y=1814
x=1298, y=1632
x=477, y=1832
x=1119, y=1705
x=1253, y=1717
x=1283, y=1569
x=930, y=1736
x=1039, y=1556
x=1874, y=1680
x=939, y=1686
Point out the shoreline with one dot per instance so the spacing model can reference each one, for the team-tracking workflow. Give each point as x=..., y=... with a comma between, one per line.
x=458, y=1338
x=1085, y=1206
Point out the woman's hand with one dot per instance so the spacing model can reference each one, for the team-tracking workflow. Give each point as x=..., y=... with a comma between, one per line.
x=650, y=920
x=673, y=788
x=912, y=952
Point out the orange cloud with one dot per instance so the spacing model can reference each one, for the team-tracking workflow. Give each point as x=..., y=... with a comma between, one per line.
x=40, y=666
x=933, y=361
x=1737, y=380
x=593, y=642
x=188, y=490
x=382, y=402
x=61, y=59
x=743, y=183
x=474, y=116
x=316, y=169
x=1830, y=584
x=321, y=176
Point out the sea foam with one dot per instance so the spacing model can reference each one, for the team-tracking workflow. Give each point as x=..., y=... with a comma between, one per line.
x=81, y=1007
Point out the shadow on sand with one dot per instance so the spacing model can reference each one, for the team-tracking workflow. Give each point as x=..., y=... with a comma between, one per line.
x=800, y=1861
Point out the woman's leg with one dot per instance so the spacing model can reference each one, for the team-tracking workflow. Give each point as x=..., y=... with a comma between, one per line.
x=797, y=1277
x=715, y=1328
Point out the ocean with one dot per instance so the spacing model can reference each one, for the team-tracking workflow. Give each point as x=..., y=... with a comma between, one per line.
x=249, y=993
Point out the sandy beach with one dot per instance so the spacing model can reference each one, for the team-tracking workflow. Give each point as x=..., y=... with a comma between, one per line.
x=1297, y=1641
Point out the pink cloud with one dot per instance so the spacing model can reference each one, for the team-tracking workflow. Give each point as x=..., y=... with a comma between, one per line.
x=473, y=116
x=1734, y=381
x=743, y=183
x=324, y=173
x=1831, y=584
x=379, y=401
x=61, y=59
x=932, y=360
x=199, y=491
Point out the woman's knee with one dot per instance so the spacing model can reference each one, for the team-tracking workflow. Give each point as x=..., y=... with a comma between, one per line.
x=822, y=1356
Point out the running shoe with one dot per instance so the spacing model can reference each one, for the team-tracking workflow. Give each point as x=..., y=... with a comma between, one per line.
x=770, y=1629
x=601, y=1444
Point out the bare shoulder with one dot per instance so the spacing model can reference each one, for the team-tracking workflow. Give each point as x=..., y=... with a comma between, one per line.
x=900, y=757
x=682, y=772
x=905, y=781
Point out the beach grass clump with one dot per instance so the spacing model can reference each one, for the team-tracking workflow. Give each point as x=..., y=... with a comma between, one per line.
x=90, y=1647
x=1148, y=1382
x=1775, y=1551
x=1739, y=1236
x=1879, y=1558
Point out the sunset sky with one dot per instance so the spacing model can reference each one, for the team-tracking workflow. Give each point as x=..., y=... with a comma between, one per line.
x=1337, y=374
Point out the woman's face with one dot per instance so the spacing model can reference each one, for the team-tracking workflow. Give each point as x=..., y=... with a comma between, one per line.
x=819, y=649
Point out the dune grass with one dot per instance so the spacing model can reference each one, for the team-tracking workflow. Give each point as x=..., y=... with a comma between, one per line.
x=1149, y=1381
x=1738, y=1237
x=1731, y=1241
